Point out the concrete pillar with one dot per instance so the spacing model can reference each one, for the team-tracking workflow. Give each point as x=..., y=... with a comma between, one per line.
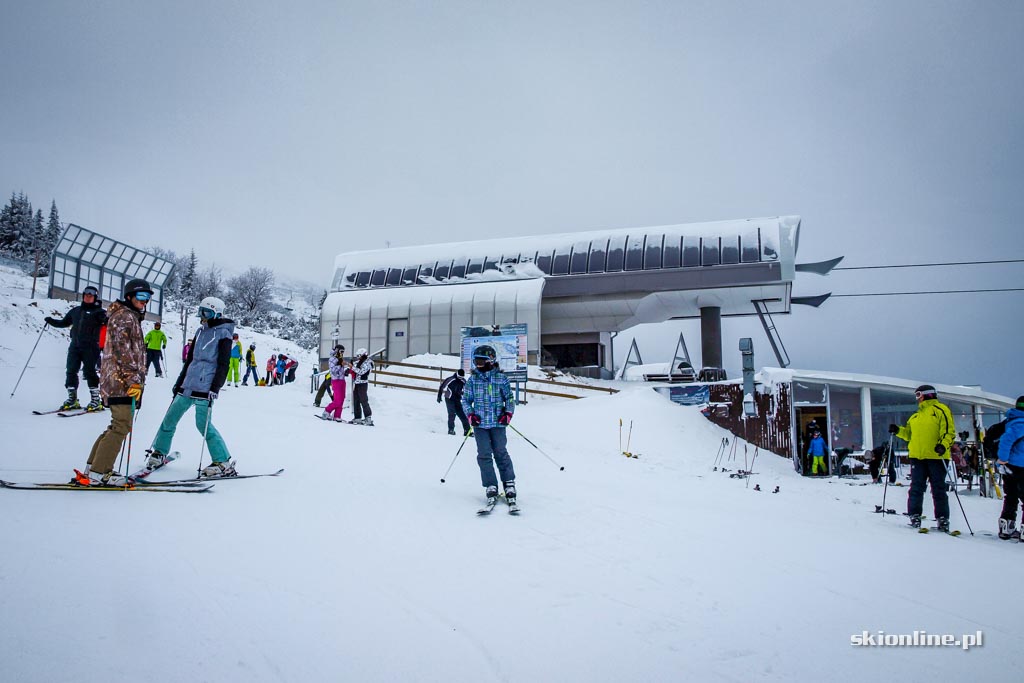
x=711, y=336
x=865, y=418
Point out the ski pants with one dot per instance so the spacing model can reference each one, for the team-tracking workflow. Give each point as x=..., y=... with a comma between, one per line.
x=455, y=410
x=179, y=406
x=1013, y=483
x=86, y=359
x=325, y=388
x=923, y=472
x=338, y=402
x=360, y=403
x=818, y=460
x=251, y=370
x=290, y=376
x=233, y=374
x=107, y=447
x=490, y=448
x=153, y=357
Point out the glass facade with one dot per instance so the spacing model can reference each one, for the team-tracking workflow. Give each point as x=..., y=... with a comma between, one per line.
x=890, y=407
x=642, y=251
x=845, y=417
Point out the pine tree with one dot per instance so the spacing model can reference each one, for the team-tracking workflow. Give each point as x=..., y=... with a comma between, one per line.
x=53, y=229
x=188, y=278
x=7, y=229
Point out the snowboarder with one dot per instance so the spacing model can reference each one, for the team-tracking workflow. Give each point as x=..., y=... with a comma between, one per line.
x=156, y=342
x=201, y=379
x=1011, y=459
x=338, y=369
x=362, y=366
x=235, y=361
x=122, y=377
x=250, y=367
x=817, y=450
x=488, y=403
x=85, y=320
x=450, y=392
x=930, y=432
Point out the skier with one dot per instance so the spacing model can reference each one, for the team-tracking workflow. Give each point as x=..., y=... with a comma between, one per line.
x=817, y=450
x=122, y=377
x=85, y=320
x=186, y=348
x=361, y=368
x=290, y=366
x=930, y=432
x=271, y=369
x=1011, y=459
x=488, y=402
x=156, y=342
x=338, y=371
x=282, y=364
x=235, y=361
x=451, y=392
x=250, y=367
x=325, y=387
x=201, y=378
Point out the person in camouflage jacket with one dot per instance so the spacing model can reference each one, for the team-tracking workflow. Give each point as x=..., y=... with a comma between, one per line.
x=122, y=376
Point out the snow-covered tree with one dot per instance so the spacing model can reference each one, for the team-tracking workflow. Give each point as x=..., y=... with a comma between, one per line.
x=250, y=293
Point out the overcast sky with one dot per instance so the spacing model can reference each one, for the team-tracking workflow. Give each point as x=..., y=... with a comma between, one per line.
x=279, y=134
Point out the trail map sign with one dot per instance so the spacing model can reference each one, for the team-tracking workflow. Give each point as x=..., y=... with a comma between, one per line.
x=508, y=342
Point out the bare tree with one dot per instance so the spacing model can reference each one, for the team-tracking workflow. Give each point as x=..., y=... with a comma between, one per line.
x=209, y=282
x=251, y=291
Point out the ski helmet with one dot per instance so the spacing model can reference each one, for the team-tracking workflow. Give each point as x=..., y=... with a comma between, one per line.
x=252, y=347
x=360, y=352
x=137, y=286
x=91, y=291
x=484, y=358
x=211, y=307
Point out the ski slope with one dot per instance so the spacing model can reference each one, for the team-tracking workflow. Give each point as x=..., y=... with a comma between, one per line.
x=357, y=564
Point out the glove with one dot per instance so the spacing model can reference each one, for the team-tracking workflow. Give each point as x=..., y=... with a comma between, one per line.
x=893, y=429
x=49, y=320
x=212, y=396
x=438, y=400
x=940, y=449
x=135, y=391
x=505, y=418
x=474, y=419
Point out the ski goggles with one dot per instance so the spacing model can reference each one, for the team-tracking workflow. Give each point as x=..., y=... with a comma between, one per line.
x=206, y=313
x=142, y=296
x=90, y=291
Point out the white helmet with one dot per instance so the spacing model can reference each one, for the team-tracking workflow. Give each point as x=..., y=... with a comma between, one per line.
x=360, y=352
x=211, y=303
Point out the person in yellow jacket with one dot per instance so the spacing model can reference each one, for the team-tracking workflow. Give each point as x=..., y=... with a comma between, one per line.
x=156, y=342
x=930, y=432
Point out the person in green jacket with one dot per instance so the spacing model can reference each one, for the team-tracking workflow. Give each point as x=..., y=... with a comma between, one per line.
x=930, y=432
x=156, y=342
x=236, y=360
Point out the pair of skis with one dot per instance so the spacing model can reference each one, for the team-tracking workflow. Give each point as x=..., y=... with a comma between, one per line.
x=74, y=412
x=513, y=508
x=141, y=475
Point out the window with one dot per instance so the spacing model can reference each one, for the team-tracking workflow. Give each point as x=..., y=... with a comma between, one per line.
x=377, y=279
x=731, y=249
x=635, y=252
x=394, y=277
x=491, y=263
x=426, y=270
x=560, y=266
x=616, y=252
x=691, y=251
x=409, y=276
x=475, y=266
x=544, y=261
x=441, y=272
x=750, y=246
x=578, y=262
x=672, y=252
x=598, y=250
x=363, y=278
x=350, y=279
x=652, y=251
x=458, y=269
x=710, y=253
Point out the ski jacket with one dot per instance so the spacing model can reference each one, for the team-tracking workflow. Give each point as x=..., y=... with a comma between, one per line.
x=156, y=340
x=85, y=321
x=271, y=365
x=124, y=359
x=184, y=352
x=489, y=395
x=206, y=367
x=362, y=371
x=817, y=447
x=280, y=366
x=336, y=368
x=236, y=350
x=451, y=388
x=1011, y=443
x=931, y=425
x=250, y=358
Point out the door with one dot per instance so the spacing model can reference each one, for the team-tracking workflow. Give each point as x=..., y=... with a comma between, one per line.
x=804, y=416
x=398, y=339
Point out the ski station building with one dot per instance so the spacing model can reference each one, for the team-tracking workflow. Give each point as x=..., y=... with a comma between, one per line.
x=574, y=291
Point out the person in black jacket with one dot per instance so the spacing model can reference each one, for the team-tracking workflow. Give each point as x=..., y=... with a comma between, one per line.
x=451, y=391
x=85, y=321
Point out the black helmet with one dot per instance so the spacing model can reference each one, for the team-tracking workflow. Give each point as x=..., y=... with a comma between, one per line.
x=91, y=290
x=133, y=287
x=484, y=357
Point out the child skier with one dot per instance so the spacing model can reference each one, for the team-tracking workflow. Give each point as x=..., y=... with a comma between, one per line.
x=250, y=367
x=488, y=402
x=198, y=384
x=817, y=450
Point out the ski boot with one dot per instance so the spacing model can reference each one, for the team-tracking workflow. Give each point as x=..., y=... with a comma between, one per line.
x=357, y=421
x=943, y=524
x=915, y=521
x=220, y=469
x=451, y=432
x=368, y=422
x=1007, y=529
x=107, y=479
x=95, y=404
x=492, y=495
x=155, y=460
x=510, y=491
x=72, y=402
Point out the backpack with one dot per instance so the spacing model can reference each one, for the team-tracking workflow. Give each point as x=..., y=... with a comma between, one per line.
x=990, y=443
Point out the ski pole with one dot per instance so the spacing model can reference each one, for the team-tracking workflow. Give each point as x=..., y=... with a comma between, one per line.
x=128, y=462
x=629, y=435
x=206, y=429
x=885, y=487
x=464, y=439
x=960, y=503
x=28, y=360
x=560, y=467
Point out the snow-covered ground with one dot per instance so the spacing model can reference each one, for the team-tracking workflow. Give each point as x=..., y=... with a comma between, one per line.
x=359, y=565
